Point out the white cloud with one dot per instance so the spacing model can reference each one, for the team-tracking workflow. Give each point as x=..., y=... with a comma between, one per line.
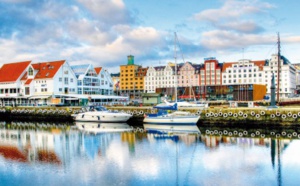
x=110, y=12
x=234, y=15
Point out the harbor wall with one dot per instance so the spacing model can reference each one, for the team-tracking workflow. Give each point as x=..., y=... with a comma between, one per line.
x=213, y=116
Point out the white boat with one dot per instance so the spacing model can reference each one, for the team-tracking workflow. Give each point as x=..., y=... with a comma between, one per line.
x=94, y=127
x=101, y=114
x=163, y=117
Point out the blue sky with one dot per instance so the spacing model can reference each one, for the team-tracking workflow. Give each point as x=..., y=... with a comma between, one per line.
x=104, y=32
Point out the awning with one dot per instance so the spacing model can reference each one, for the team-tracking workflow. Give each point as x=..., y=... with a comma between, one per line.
x=71, y=98
x=40, y=97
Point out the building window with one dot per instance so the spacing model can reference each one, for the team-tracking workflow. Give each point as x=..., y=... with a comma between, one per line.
x=30, y=71
x=60, y=79
x=66, y=81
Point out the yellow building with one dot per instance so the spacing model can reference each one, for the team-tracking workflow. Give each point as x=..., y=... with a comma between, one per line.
x=132, y=79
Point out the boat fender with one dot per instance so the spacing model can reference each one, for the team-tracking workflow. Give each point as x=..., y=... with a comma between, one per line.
x=283, y=133
x=295, y=116
x=82, y=115
x=245, y=115
x=235, y=115
x=294, y=133
x=262, y=112
x=98, y=124
x=240, y=113
x=252, y=113
x=262, y=135
x=298, y=113
x=98, y=117
x=225, y=115
x=272, y=115
x=283, y=116
x=289, y=114
x=82, y=126
x=277, y=113
x=257, y=116
x=289, y=135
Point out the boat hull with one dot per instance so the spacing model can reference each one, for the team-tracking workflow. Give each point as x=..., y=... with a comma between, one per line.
x=103, y=117
x=171, y=120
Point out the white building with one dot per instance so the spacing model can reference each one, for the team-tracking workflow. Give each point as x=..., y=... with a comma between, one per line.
x=159, y=77
x=46, y=80
x=88, y=81
x=106, y=82
x=287, y=77
x=10, y=82
x=260, y=72
x=243, y=72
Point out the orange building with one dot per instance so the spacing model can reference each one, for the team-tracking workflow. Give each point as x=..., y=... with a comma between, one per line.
x=132, y=79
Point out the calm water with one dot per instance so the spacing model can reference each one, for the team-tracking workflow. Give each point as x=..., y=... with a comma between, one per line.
x=48, y=154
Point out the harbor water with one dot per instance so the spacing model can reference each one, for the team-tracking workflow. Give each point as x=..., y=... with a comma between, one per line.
x=59, y=154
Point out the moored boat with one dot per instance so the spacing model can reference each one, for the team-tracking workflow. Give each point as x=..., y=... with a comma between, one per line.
x=163, y=117
x=101, y=114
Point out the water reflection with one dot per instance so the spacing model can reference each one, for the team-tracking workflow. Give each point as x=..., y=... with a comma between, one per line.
x=57, y=154
x=94, y=127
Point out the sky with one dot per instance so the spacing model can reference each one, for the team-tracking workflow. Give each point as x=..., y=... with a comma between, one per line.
x=104, y=32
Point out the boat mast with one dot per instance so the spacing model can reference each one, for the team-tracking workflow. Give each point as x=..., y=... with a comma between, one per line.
x=175, y=58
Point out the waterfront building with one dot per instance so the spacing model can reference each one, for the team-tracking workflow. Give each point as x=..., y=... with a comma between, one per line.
x=10, y=82
x=188, y=80
x=297, y=67
x=287, y=76
x=244, y=74
x=210, y=75
x=132, y=79
x=160, y=77
x=51, y=82
x=116, y=82
x=106, y=82
x=87, y=79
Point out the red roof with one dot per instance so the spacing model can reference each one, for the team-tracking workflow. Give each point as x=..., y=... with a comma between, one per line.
x=226, y=65
x=24, y=76
x=10, y=72
x=28, y=81
x=98, y=70
x=47, y=69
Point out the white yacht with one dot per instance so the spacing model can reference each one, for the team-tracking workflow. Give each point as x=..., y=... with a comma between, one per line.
x=101, y=114
x=163, y=117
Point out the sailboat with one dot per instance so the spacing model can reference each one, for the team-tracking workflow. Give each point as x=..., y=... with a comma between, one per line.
x=164, y=117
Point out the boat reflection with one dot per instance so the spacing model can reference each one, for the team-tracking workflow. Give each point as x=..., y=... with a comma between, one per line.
x=94, y=127
x=153, y=128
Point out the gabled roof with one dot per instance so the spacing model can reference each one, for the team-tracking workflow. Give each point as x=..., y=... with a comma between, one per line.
x=47, y=69
x=24, y=76
x=10, y=72
x=28, y=81
x=98, y=70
